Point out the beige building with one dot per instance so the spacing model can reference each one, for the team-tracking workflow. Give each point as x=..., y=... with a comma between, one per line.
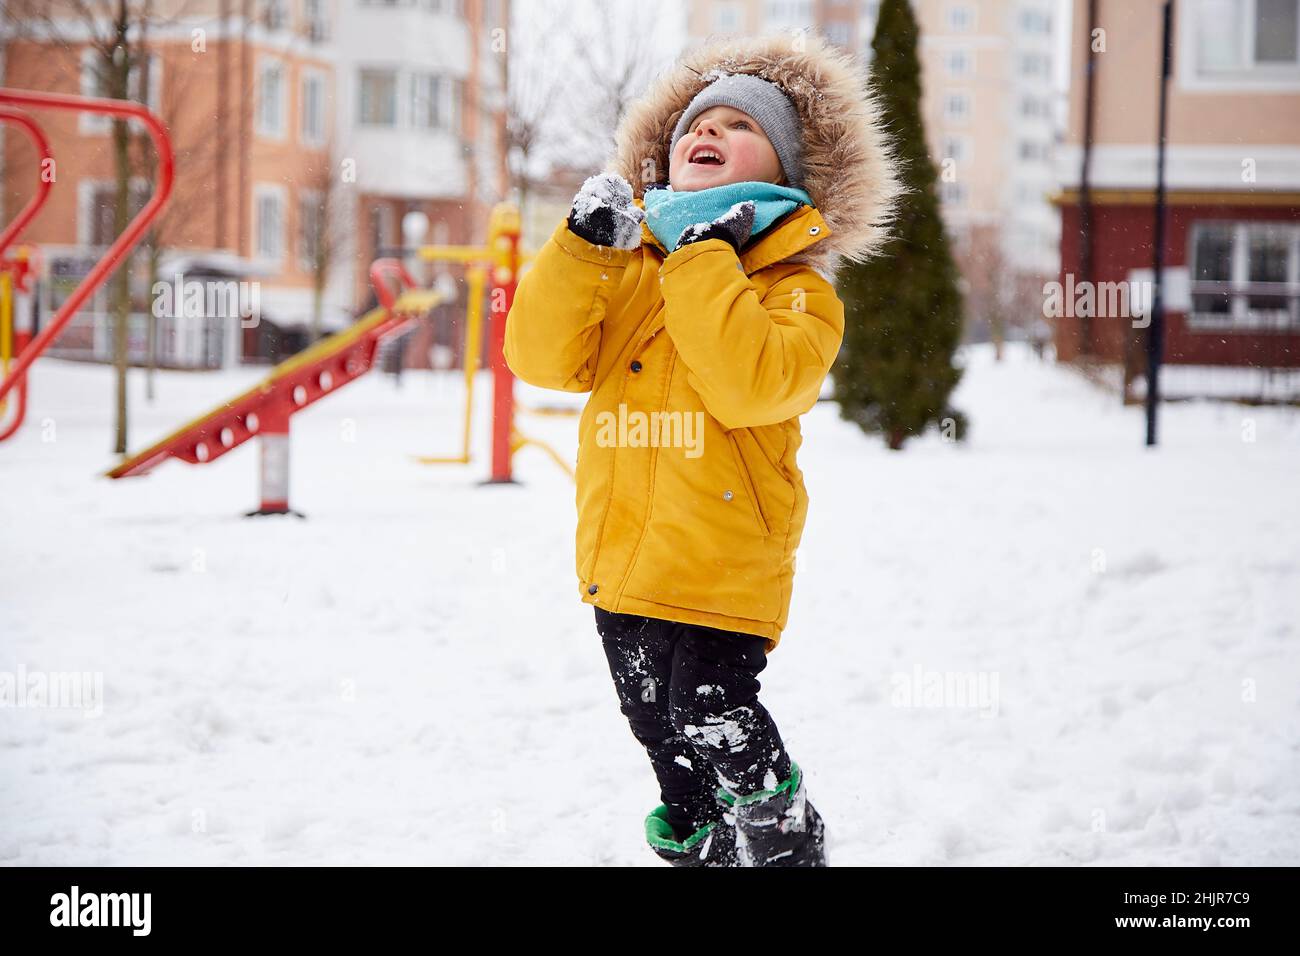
x=992, y=113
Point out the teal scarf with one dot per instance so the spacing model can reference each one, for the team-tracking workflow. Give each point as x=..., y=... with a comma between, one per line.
x=670, y=213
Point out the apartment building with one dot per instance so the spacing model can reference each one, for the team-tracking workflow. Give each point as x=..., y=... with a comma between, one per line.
x=304, y=131
x=992, y=112
x=1232, y=242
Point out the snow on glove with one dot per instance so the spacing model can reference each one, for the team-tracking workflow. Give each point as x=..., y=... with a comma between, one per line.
x=734, y=226
x=603, y=212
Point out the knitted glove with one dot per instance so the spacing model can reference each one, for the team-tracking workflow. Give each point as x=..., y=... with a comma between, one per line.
x=734, y=226
x=603, y=212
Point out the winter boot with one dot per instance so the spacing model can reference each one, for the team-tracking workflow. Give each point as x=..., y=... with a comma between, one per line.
x=713, y=844
x=777, y=827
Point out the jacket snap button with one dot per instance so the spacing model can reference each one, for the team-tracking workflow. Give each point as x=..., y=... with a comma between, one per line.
x=635, y=366
x=604, y=275
x=814, y=230
x=593, y=589
x=727, y=496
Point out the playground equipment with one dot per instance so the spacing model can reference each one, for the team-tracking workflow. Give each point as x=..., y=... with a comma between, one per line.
x=503, y=258
x=26, y=351
x=264, y=410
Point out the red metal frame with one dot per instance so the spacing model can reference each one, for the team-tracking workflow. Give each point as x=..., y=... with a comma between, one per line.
x=12, y=231
x=121, y=246
x=43, y=185
x=381, y=270
x=503, y=380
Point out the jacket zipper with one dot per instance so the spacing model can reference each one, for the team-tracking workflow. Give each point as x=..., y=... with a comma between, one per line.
x=751, y=489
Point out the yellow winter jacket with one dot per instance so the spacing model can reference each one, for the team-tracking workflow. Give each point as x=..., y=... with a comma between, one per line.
x=704, y=530
x=699, y=364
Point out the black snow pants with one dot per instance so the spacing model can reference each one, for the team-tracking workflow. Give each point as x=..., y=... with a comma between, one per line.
x=690, y=694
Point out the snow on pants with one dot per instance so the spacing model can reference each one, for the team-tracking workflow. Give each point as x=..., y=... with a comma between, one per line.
x=690, y=694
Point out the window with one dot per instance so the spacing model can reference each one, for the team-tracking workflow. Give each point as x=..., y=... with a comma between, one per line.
x=425, y=101
x=313, y=108
x=837, y=32
x=95, y=83
x=957, y=62
x=960, y=18
x=1033, y=106
x=1035, y=21
x=956, y=107
x=1245, y=275
x=455, y=96
x=269, y=221
x=275, y=14
x=952, y=194
x=956, y=148
x=789, y=12
x=1029, y=149
x=271, y=89
x=97, y=228
x=316, y=20
x=378, y=105
x=1255, y=37
x=311, y=217
x=1035, y=64
x=381, y=228
x=726, y=16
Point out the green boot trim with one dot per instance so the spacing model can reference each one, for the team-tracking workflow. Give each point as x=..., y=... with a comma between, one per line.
x=659, y=832
x=789, y=785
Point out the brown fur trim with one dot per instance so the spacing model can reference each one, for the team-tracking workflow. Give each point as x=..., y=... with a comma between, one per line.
x=849, y=163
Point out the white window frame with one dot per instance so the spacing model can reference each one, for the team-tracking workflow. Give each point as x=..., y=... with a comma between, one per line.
x=952, y=96
x=97, y=124
x=726, y=16
x=265, y=65
x=439, y=97
x=1253, y=77
x=962, y=55
x=280, y=194
x=953, y=194
x=86, y=189
x=964, y=151
x=309, y=75
x=969, y=13
x=397, y=97
x=1239, y=318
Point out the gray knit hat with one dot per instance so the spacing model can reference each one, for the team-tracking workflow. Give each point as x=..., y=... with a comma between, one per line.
x=769, y=107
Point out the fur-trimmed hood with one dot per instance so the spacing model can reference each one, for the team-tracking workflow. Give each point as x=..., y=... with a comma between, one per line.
x=849, y=168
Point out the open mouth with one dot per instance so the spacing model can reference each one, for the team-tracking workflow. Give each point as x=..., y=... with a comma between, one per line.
x=706, y=156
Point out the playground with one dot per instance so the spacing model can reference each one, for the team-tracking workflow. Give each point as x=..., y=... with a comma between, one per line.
x=407, y=676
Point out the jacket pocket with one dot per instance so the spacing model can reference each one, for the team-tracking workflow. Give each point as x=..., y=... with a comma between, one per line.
x=751, y=488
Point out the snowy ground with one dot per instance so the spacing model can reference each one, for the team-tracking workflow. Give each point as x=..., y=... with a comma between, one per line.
x=409, y=677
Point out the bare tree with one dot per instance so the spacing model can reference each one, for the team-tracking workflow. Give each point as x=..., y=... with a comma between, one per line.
x=574, y=68
x=326, y=239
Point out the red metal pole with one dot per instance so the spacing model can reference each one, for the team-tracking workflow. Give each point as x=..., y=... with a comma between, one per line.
x=43, y=184
x=130, y=236
x=505, y=278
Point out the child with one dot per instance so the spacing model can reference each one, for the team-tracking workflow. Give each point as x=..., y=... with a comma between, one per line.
x=707, y=299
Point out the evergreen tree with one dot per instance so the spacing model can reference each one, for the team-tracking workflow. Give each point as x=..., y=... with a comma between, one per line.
x=903, y=308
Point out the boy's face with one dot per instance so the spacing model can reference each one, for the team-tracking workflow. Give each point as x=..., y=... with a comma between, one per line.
x=746, y=153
